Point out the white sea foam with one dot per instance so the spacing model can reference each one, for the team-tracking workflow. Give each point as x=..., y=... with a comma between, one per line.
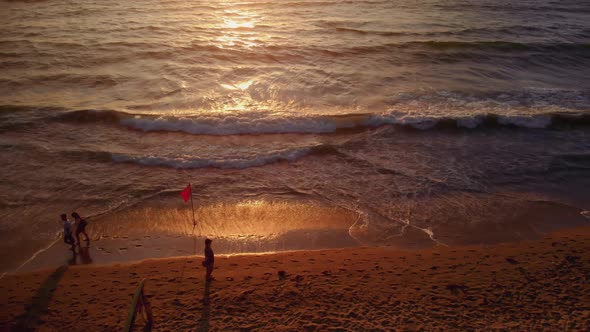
x=259, y=123
x=233, y=124
x=425, y=122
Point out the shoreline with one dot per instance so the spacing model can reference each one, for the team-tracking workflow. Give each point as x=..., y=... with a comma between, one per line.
x=528, y=285
x=135, y=244
x=108, y=250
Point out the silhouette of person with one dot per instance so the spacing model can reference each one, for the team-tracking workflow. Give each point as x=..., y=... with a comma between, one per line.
x=209, y=261
x=80, y=227
x=68, y=238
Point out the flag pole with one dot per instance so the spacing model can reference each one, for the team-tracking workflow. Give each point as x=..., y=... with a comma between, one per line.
x=193, y=206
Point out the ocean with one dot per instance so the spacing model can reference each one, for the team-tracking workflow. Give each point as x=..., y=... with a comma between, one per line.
x=299, y=124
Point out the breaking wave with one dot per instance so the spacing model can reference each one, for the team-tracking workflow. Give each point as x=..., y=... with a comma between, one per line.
x=258, y=123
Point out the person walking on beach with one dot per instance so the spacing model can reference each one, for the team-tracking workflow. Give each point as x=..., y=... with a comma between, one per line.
x=68, y=238
x=80, y=227
x=209, y=261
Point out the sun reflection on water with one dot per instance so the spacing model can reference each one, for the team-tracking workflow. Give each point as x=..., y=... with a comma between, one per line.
x=237, y=30
x=234, y=24
x=248, y=218
x=238, y=86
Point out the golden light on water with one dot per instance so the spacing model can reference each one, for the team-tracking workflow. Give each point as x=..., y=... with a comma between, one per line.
x=236, y=30
x=234, y=24
x=239, y=86
x=258, y=218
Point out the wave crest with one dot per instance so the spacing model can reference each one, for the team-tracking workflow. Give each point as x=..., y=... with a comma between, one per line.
x=189, y=163
x=261, y=123
x=250, y=123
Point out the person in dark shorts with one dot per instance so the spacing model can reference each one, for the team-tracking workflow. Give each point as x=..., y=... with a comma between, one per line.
x=209, y=261
x=80, y=227
x=68, y=238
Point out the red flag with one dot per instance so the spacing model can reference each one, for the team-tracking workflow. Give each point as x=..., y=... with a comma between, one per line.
x=186, y=193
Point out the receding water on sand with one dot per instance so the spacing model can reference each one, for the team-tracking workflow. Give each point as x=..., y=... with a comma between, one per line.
x=165, y=229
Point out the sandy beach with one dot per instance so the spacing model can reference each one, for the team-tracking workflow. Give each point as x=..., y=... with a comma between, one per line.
x=539, y=285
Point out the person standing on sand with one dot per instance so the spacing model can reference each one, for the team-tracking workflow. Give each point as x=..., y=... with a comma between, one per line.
x=80, y=227
x=68, y=238
x=209, y=261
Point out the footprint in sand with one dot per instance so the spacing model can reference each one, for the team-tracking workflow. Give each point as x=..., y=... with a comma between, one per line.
x=511, y=260
x=177, y=303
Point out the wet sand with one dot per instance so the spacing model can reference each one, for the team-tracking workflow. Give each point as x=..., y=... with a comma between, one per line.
x=531, y=285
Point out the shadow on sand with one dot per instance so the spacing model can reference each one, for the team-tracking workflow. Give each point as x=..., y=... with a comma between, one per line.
x=205, y=315
x=40, y=302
